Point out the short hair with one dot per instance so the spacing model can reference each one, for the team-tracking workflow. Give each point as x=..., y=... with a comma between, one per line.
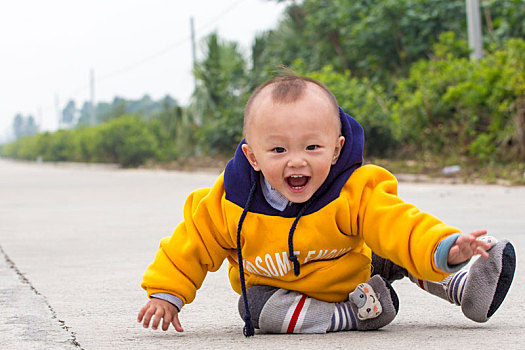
x=288, y=88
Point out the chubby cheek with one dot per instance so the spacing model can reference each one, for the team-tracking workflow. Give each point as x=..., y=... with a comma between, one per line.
x=322, y=169
x=270, y=170
x=274, y=177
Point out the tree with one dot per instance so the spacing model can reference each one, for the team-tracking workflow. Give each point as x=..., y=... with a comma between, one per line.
x=68, y=113
x=503, y=20
x=31, y=126
x=18, y=126
x=24, y=126
x=380, y=40
x=175, y=132
x=218, y=100
x=85, y=114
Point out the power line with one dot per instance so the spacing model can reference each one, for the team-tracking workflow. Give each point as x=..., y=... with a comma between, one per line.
x=162, y=52
x=220, y=15
x=171, y=47
x=144, y=60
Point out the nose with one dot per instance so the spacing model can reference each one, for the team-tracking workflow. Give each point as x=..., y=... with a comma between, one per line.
x=296, y=161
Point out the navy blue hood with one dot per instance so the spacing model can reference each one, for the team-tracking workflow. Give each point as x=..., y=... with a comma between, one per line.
x=239, y=175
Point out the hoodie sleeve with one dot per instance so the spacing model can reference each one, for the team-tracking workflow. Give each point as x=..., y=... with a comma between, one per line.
x=199, y=244
x=394, y=229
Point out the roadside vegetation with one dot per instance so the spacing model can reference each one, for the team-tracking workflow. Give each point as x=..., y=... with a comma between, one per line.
x=400, y=67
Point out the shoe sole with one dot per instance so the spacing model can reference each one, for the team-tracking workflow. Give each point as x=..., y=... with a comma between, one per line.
x=505, y=278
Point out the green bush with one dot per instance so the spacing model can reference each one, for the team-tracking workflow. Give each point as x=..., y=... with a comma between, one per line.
x=59, y=146
x=368, y=104
x=87, y=140
x=126, y=141
x=23, y=148
x=455, y=106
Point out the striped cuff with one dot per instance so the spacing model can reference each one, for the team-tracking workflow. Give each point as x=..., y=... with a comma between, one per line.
x=170, y=298
x=441, y=255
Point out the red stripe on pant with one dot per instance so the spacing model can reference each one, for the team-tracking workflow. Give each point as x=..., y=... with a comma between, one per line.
x=296, y=314
x=421, y=284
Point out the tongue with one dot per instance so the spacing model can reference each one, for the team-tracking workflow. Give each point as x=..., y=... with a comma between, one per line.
x=297, y=181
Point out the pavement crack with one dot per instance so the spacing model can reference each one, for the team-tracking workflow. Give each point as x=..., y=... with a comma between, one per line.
x=26, y=281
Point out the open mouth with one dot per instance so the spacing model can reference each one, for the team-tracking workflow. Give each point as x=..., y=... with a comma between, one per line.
x=297, y=182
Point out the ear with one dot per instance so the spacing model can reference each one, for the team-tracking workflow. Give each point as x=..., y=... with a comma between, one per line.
x=248, y=153
x=338, y=147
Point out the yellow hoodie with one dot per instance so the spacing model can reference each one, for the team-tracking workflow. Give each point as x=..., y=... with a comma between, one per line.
x=333, y=243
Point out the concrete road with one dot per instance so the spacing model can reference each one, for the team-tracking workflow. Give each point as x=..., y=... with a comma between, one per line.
x=75, y=240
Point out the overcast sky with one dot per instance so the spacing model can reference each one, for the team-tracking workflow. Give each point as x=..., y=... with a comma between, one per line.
x=135, y=47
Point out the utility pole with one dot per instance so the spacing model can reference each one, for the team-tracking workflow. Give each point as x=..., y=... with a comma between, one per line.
x=93, y=116
x=39, y=121
x=58, y=115
x=196, y=117
x=193, y=51
x=474, y=29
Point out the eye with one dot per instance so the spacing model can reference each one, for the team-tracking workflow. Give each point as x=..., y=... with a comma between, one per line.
x=312, y=147
x=278, y=150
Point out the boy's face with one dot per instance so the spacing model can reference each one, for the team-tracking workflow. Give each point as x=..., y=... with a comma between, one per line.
x=293, y=144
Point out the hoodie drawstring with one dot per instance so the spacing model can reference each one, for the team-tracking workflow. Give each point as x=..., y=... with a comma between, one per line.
x=292, y=257
x=248, y=329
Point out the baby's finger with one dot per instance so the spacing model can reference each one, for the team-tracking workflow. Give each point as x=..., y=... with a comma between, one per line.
x=141, y=313
x=147, y=316
x=479, y=233
x=166, y=321
x=483, y=245
x=176, y=323
x=158, y=316
x=481, y=251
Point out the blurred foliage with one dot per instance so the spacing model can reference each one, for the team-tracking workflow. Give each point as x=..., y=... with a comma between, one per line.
x=381, y=39
x=218, y=98
x=24, y=126
x=374, y=39
x=400, y=67
x=128, y=141
x=104, y=111
x=463, y=107
x=367, y=103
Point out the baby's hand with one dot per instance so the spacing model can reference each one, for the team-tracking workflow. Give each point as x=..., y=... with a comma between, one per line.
x=161, y=309
x=466, y=246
